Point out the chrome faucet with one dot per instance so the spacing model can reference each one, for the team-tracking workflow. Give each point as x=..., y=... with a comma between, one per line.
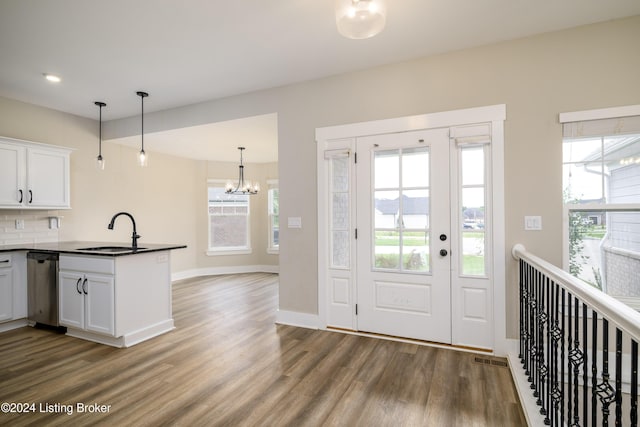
x=135, y=236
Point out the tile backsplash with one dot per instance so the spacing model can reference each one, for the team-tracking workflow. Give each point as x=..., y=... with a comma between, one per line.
x=36, y=227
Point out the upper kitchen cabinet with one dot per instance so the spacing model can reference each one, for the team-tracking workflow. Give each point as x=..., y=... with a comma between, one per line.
x=33, y=175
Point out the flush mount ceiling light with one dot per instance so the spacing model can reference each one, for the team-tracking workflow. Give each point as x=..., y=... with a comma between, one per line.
x=242, y=187
x=360, y=19
x=52, y=78
x=99, y=159
x=142, y=156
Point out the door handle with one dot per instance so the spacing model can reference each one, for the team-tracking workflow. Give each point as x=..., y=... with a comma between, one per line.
x=443, y=252
x=84, y=286
x=78, y=285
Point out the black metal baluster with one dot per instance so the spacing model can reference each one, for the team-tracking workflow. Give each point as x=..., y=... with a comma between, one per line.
x=527, y=322
x=555, y=336
x=547, y=420
x=618, y=377
x=533, y=309
x=542, y=310
x=594, y=370
x=569, y=344
x=577, y=359
x=605, y=391
x=634, y=384
x=521, y=274
x=563, y=343
x=585, y=377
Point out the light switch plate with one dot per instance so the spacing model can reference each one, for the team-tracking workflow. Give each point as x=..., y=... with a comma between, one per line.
x=19, y=224
x=533, y=223
x=294, y=222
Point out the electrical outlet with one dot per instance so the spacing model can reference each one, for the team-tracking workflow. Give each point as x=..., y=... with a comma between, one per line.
x=19, y=224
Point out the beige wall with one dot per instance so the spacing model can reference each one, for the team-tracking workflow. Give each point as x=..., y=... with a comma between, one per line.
x=537, y=77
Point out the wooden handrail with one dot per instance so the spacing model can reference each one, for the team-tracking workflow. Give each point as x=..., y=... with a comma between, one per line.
x=618, y=313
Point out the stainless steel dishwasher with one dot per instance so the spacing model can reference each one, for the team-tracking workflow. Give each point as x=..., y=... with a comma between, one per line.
x=42, y=287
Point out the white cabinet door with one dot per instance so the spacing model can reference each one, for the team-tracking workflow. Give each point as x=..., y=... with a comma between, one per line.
x=6, y=294
x=47, y=178
x=71, y=300
x=12, y=175
x=99, y=303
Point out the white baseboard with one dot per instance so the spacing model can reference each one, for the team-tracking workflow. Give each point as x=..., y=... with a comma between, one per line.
x=294, y=318
x=527, y=401
x=215, y=271
x=13, y=324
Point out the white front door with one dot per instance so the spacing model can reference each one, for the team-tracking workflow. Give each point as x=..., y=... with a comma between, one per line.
x=425, y=197
x=404, y=233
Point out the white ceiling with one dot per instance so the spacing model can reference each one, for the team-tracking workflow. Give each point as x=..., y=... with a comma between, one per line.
x=216, y=141
x=189, y=51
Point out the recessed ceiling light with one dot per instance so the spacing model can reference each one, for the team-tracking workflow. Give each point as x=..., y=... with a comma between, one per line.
x=52, y=78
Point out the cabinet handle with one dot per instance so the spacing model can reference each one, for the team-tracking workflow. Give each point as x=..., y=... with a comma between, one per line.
x=78, y=285
x=30, y=196
x=20, y=201
x=4, y=260
x=84, y=286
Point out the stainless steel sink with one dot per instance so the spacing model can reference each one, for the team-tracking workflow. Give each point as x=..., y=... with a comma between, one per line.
x=110, y=249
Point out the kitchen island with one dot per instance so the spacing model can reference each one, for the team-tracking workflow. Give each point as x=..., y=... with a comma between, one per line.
x=109, y=292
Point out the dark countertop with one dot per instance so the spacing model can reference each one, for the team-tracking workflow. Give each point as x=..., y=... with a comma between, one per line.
x=78, y=248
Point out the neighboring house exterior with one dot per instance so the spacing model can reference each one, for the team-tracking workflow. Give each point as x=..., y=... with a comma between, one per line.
x=620, y=248
x=416, y=212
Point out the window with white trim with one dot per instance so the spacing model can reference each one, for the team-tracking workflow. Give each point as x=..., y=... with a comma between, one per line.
x=601, y=191
x=228, y=221
x=273, y=213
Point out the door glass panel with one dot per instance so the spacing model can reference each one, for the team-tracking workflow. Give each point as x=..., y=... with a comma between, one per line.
x=387, y=249
x=401, y=210
x=472, y=218
x=387, y=209
x=340, y=243
x=415, y=168
x=473, y=261
x=415, y=247
x=387, y=167
x=473, y=175
x=415, y=209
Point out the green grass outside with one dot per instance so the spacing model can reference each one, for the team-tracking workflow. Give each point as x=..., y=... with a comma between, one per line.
x=392, y=238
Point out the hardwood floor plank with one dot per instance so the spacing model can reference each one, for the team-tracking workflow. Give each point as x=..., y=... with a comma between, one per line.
x=228, y=364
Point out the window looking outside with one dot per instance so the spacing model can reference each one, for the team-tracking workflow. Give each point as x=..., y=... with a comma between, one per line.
x=473, y=193
x=274, y=218
x=601, y=192
x=401, y=210
x=228, y=220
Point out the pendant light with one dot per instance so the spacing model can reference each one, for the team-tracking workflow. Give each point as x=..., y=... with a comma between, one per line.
x=360, y=19
x=100, y=159
x=142, y=156
x=242, y=187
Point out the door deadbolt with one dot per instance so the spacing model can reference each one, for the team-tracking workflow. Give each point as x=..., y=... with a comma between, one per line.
x=443, y=237
x=443, y=252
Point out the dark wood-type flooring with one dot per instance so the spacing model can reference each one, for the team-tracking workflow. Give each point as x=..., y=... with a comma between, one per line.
x=228, y=364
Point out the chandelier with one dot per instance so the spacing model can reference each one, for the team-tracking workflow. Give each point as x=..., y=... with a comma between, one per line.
x=360, y=19
x=242, y=187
